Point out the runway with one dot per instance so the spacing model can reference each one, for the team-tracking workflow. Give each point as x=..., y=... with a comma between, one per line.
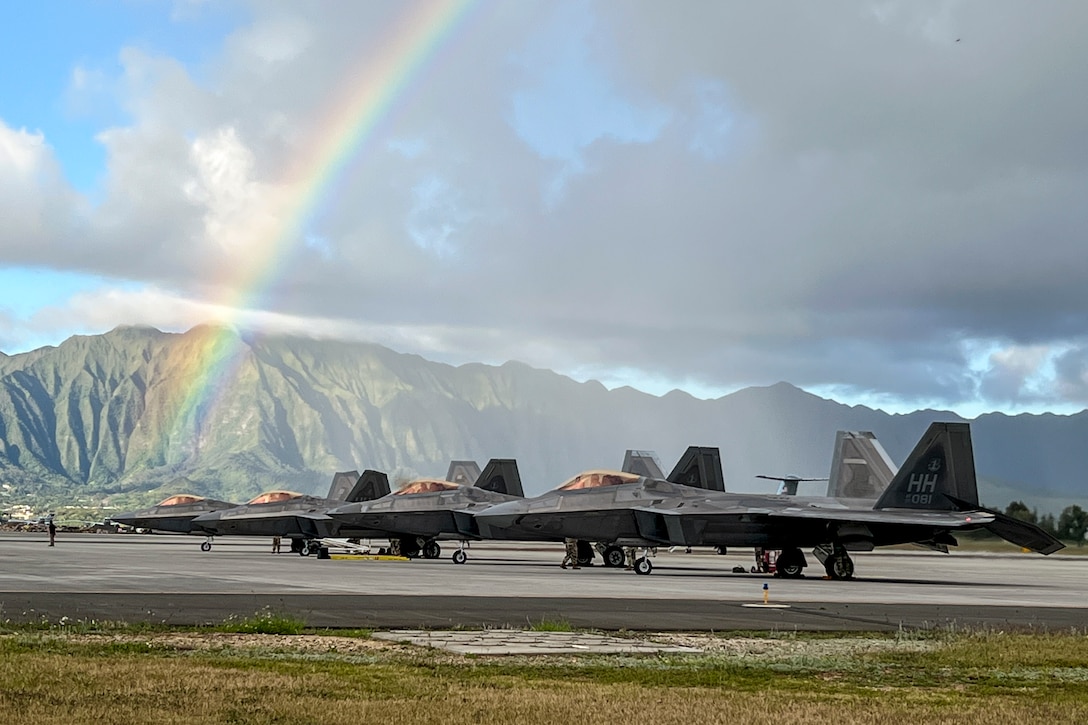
x=167, y=579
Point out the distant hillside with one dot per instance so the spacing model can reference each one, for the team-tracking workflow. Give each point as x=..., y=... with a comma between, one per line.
x=107, y=414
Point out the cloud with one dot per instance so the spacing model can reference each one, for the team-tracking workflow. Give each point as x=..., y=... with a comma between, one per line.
x=856, y=197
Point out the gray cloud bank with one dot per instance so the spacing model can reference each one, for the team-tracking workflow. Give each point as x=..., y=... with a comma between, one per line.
x=885, y=200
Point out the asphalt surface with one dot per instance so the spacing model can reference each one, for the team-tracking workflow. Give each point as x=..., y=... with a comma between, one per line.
x=167, y=579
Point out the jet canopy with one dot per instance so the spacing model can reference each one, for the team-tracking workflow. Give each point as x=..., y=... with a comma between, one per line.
x=598, y=479
x=275, y=497
x=426, y=485
x=181, y=499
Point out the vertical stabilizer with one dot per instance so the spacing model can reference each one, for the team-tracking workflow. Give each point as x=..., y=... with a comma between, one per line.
x=463, y=472
x=371, y=485
x=860, y=468
x=940, y=468
x=643, y=463
x=342, y=481
x=501, y=476
x=701, y=467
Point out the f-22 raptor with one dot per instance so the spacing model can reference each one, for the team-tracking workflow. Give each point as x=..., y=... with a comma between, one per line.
x=932, y=497
x=295, y=516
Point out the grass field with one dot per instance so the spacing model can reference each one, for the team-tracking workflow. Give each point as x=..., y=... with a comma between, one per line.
x=86, y=673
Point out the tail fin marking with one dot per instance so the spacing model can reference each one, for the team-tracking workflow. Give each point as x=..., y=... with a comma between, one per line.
x=941, y=467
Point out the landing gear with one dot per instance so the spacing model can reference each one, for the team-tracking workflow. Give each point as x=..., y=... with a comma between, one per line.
x=791, y=563
x=460, y=557
x=206, y=545
x=585, y=553
x=304, y=550
x=643, y=565
x=613, y=557
x=431, y=549
x=838, y=564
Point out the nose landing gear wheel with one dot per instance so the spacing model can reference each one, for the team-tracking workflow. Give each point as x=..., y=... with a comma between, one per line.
x=643, y=565
x=206, y=546
x=459, y=557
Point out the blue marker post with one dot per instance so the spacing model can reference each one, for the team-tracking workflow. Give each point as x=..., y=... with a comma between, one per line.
x=766, y=593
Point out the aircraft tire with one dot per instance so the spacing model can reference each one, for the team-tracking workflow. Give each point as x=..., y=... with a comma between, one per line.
x=643, y=565
x=613, y=557
x=205, y=546
x=839, y=567
x=790, y=564
x=459, y=557
x=305, y=550
x=431, y=550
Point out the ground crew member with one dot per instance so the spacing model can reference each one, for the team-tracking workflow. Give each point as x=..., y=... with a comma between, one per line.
x=571, y=555
x=52, y=532
x=275, y=544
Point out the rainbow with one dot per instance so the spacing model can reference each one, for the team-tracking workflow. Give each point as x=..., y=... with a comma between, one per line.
x=338, y=135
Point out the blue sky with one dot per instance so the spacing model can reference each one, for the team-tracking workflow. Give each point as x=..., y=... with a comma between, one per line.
x=658, y=198
x=42, y=44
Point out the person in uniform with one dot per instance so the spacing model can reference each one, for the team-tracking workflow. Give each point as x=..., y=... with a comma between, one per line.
x=275, y=544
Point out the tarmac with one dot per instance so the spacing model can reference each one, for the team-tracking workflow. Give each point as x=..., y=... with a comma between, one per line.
x=167, y=579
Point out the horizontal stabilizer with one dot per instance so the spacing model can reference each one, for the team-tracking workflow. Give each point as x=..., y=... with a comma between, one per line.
x=371, y=485
x=1015, y=531
x=701, y=467
x=642, y=463
x=501, y=476
x=1025, y=534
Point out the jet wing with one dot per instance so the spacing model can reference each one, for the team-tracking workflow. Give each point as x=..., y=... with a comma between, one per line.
x=919, y=517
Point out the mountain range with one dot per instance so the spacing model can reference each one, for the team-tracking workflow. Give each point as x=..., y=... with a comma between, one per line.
x=137, y=411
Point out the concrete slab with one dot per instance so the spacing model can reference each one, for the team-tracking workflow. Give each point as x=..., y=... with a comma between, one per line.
x=526, y=642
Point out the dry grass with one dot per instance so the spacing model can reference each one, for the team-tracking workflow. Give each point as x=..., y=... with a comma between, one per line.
x=198, y=678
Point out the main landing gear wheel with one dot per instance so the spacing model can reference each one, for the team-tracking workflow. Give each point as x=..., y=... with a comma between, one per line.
x=431, y=550
x=790, y=563
x=643, y=565
x=459, y=557
x=206, y=546
x=839, y=566
x=613, y=556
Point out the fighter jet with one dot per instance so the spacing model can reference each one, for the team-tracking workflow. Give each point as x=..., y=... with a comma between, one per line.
x=173, y=515
x=697, y=474
x=427, y=510
x=930, y=498
x=295, y=516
